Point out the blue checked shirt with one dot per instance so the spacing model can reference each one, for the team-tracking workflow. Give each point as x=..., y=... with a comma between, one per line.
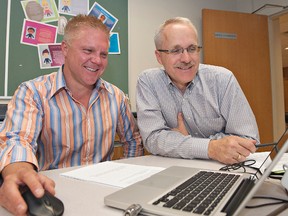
x=213, y=106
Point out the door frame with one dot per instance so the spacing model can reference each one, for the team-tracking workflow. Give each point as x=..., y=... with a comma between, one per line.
x=278, y=103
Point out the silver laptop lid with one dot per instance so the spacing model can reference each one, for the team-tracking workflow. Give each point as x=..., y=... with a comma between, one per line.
x=276, y=154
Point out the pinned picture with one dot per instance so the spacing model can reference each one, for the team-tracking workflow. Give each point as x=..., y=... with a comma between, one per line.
x=101, y=13
x=114, y=43
x=33, y=10
x=73, y=7
x=50, y=55
x=40, y=10
x=34, y=33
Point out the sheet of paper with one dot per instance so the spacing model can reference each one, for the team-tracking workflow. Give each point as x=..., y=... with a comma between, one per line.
x=113, y=173
x=259, y=157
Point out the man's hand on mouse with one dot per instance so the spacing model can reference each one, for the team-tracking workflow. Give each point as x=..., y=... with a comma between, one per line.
x=16, y=175
x=231, y=149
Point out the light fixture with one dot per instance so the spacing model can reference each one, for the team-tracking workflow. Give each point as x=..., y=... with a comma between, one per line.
x=270, y=5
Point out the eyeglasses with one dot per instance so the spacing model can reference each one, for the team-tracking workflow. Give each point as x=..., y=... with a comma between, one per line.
x=237, y=166
x=177, y=51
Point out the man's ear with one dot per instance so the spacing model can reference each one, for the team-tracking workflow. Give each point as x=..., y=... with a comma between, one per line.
x=64, y=47
x=158, y=57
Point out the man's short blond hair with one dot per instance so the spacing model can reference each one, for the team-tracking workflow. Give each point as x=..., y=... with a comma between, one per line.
x=80, y=21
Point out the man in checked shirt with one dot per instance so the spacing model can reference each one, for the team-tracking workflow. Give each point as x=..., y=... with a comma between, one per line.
x=192, y=110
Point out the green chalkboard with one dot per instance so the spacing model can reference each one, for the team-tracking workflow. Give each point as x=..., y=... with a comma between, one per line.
x=23, y=62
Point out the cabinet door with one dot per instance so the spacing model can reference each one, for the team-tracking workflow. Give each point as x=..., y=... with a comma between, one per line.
x=240, y=42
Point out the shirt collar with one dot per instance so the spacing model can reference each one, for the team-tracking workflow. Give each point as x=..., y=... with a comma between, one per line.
x=58, y=82
x=102, y=84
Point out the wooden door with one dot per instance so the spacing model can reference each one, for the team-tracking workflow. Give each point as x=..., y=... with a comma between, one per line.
x=239, y=42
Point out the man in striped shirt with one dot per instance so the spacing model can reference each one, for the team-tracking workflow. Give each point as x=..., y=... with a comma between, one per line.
x=203, y=102
x=67, y=118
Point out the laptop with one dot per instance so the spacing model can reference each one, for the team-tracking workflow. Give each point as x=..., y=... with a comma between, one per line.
x=157, y=195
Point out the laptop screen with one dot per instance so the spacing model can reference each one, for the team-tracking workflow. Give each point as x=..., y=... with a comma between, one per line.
x=273, y=148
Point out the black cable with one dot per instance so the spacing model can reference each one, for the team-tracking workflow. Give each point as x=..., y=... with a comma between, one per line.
x=264, y=204
x=241, y=165
x=277, y=201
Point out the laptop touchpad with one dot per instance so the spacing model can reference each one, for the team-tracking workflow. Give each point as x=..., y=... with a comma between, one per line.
x=160, y=181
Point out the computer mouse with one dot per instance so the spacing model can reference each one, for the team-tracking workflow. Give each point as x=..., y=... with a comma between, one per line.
x=48, y=205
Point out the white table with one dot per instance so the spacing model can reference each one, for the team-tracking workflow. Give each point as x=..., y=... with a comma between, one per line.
x=87, y=198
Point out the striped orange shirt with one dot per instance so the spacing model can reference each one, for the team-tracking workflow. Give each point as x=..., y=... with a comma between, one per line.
x=46, y=126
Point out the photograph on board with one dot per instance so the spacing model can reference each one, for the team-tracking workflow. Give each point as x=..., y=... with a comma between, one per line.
x=34, y=33
x=73, y=7
x=114, y=43
x=50, y=55
x=101, y=13
x=40, y=10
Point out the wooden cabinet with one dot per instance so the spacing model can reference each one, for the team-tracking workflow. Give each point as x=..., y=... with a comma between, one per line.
x=118, y=152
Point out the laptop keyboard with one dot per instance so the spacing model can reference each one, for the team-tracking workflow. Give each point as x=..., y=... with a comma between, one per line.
x=200, y=194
